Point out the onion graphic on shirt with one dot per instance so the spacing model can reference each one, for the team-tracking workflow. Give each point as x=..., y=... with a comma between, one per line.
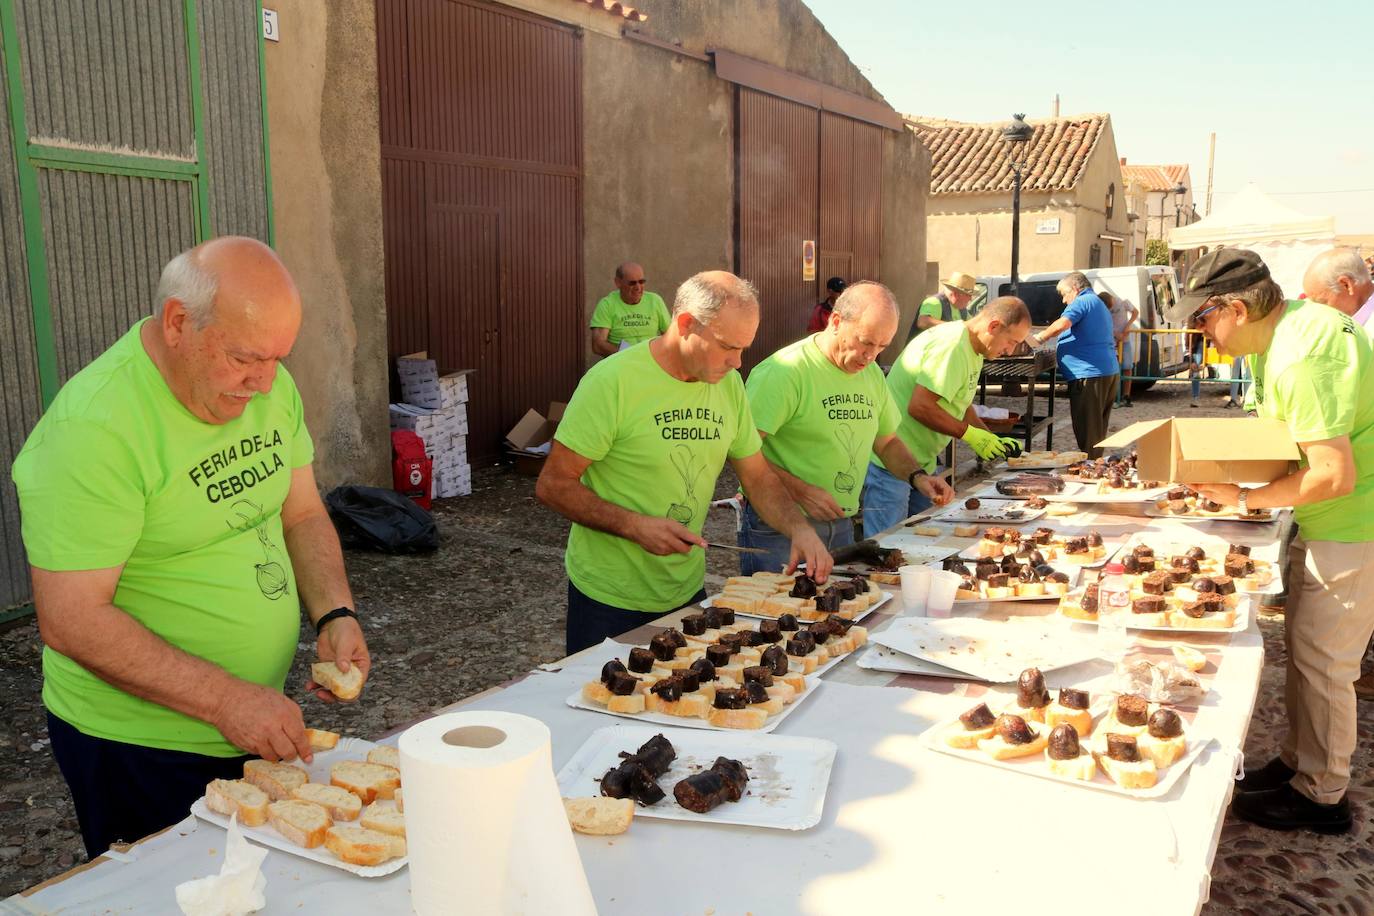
x=687, y=467
x=844, y=480
x=271, y=573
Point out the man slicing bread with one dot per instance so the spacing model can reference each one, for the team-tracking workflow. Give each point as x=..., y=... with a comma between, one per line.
x=636, y=457
x=174, y=532
x=822, y=405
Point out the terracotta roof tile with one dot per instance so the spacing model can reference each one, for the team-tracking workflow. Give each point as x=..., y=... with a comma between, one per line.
x=972, y=158
x=616, y=9
x=1155, y=177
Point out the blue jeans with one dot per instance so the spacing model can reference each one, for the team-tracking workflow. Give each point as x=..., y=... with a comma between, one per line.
x=887, y=500
x=590, y=621
x=755, y=532
x=1240, y=374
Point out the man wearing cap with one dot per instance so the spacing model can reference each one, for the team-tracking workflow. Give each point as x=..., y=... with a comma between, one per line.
x=949, y=304
x=1311, y=366
x=935, y=379
x=1087, y=359
x=635, y=460
x=629, y=315
x=822, y=405
x=820, y=315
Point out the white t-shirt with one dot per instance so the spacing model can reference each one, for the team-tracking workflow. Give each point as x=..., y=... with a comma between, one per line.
x=1120, y=313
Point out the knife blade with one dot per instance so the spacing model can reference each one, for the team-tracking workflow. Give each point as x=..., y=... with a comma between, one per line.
x=735, y=548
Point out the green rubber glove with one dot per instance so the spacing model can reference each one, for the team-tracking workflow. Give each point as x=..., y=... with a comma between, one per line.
x=987, y=445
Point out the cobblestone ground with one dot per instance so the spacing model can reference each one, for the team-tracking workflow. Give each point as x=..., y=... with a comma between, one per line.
x=489, y=605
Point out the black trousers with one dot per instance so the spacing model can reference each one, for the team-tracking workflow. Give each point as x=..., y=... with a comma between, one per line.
x=1090, y=407
x=590, y=621
x=123, y=792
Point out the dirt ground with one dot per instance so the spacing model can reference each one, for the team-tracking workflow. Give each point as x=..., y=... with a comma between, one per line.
x=489, y=605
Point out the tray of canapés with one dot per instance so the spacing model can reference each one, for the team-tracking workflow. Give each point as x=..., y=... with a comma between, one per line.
x=716, y=673
x=1123, y=744
x=1012, y=577
x=1185, y=502
x=1190, y=590
x=1043, y=545
x=769, y=595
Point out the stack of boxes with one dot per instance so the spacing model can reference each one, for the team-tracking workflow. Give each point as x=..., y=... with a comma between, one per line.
x=435, y=408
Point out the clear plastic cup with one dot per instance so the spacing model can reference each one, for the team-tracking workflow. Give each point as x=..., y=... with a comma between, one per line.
x=943, y=587
x=915, y=588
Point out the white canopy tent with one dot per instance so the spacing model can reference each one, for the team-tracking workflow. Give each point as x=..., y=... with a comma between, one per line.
x=1286, y=239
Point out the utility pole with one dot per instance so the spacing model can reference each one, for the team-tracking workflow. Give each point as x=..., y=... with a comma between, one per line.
x=1211, y=159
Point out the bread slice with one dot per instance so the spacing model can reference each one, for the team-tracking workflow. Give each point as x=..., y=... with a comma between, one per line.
x=752, y=717
x=303, y=823
x=386, y=755
x=341, y=804
x=234, y=796
x=634, y=704
x=360, y=846
x=1189, y=657
x=321, y=740
x=1163, y=751
x=344, y=686
x=368, y=781
x=600, y=816
x=1080, y=719
x=1030, y=713
x=998, y=749
x=1136, y=774
x=1081, y=767
x=596, y=692
x=384, y=817
x=278, y=780
x=964, y=739
x=400, y=802
x=691, y=706
x=744, y=604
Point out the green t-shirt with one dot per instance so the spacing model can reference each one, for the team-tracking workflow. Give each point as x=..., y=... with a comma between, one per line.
x=656, y=445
x=1315, y=376
x=820, y=421
x=941, y=360
x=118, y=472
x=935, y=308
x=631, y=324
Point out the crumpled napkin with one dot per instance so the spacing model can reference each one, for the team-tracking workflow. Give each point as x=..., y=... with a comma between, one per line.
x=238, y=888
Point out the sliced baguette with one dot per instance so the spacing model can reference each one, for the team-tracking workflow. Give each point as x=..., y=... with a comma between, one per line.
x=344, y=686
x=303, y=823
x=321, y=740
x=341, y=804
x=278, y=780
x=360, y=846
x=383, y=817
x=400, y=802
x=234, y=796
x=368, y=781
x=600, y=816
x=386, y=755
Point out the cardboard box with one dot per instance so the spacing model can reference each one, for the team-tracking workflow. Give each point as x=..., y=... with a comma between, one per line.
x=528, y=441
x=1243, y=450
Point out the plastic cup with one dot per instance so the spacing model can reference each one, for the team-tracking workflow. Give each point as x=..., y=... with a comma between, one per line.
x=915, y=588
x=943, y=586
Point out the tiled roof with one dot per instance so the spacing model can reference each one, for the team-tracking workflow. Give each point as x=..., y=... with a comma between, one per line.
x=1155, y=177
x=972, y=158
x=617, y=9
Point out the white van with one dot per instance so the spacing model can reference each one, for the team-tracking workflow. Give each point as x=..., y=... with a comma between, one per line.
x=1148, y=288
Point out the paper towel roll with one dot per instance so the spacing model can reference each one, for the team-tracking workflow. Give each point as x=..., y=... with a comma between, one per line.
x=485, y=827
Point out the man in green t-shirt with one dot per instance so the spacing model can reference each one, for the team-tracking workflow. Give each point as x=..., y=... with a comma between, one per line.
x=949, y=304
x=174, y=532
x=629, y=315
x=935, y=379
x=822, y=405
x=1312, y=370
x=636, y=457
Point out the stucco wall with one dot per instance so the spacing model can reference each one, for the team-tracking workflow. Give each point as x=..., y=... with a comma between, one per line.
x=326, y=187
x=973, y=234
x=906, y=180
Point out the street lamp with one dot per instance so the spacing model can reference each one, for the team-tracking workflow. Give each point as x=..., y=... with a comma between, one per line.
x=1178, y=203
x=1016, y=134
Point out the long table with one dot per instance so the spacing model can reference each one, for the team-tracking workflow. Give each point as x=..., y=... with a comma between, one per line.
x=903, y=828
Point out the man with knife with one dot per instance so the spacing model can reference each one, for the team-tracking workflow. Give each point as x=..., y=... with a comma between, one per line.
x=635, y=460
x=822, y=405
x=1311, y=368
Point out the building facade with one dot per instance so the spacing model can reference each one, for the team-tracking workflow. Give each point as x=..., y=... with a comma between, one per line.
x=1161, y=198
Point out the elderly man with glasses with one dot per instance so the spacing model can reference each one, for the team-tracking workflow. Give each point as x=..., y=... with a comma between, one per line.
x=1312, y=371
x=628, y=316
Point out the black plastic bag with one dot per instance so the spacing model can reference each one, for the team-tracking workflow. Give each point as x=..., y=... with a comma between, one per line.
x=373, y=518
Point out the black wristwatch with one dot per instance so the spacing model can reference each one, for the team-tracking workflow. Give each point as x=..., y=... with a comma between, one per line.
x=911, y=478
x=332, y=615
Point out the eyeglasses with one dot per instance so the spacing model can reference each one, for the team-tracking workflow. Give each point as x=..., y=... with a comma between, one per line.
x=1197, y=320
x=634, y=282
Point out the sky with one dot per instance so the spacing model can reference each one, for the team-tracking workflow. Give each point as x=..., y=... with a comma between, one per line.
x=1289, y=94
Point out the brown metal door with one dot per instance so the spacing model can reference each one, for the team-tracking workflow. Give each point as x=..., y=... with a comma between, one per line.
x=776, y=205
x=851, y=198
x=481, y=124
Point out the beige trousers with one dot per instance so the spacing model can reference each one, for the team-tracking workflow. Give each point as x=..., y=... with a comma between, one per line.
x=1327, y=625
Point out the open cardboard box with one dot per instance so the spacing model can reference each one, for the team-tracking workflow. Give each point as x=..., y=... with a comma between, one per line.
x=1243, y=450
x=527, y=438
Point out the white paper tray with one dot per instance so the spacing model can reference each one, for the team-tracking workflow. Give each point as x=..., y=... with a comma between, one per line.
x=1091, y=496
x=788, y=777
x=1240, y=626
x=887, y=596
x=1113, y=545
x=1073, y=572
x=1153, y=511
x=989, y=650
x=1054, y=465
x=1166, y=546
x=1000, y=511
x=916, y=548
x=347, y=749
x=813, y=684
x=989, y=490
x=881, y=658
x=1035, y=764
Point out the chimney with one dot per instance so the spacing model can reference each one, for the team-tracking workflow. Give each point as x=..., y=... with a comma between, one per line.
x=1123, y=160
x=1056, y=106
